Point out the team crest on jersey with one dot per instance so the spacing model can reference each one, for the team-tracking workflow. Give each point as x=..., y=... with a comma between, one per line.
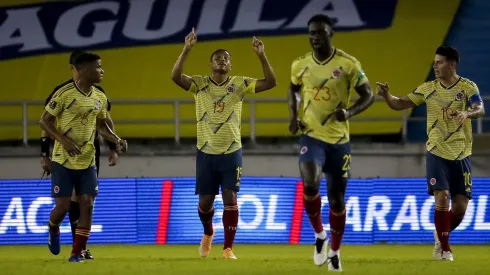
x=337, y=72
x=433, y=181
x=230, y=89
x=98, y=105
x=459, y=95
x=303, y=150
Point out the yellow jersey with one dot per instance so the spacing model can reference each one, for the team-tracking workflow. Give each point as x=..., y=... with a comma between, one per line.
x=446, y=137
x=76, y=116
x=326, y=86
x=219, y=112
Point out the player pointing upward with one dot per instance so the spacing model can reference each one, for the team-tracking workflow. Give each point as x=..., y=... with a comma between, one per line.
x=325, y=77
x=452, y=101
x=219, y=100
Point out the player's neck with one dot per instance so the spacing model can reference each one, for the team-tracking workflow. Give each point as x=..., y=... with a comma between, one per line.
x=219, y=77
x=450, y=80
x=82, y=85
x=324, y=53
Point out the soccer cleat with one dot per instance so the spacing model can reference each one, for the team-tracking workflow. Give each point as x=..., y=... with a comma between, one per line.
x=320, y=251
x=228, y=254
x=205, y=246
x=447, y=256
x=75, y=259
x=54, y=242
x=86, y=255
x=334, y=262
x=437, y=251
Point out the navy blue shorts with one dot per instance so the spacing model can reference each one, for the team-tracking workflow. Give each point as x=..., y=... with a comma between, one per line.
x=451, y=175
x=64, y=181
x=213, y=171
x=333, y=158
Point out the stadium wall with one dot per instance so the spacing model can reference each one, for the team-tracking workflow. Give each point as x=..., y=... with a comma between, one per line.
x=163, y=211
x=140, y=40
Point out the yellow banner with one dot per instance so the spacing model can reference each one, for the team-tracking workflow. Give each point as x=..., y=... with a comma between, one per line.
x=400, y=54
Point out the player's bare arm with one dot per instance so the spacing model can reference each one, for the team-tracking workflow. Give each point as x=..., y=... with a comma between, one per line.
x=293, y=102
x=184, y=81
x=47, y=124
x=113, y=156
x=45, y=159
x=394, y=102
x=106, y=132
x=269, y=80
x=365, y=100
x=477, y=110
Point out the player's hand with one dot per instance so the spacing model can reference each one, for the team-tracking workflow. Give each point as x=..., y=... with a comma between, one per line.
x=258, y=46
x=342, y=114
x=46, y=164
x=382, y=89
x=122, y=145
x=113, y=158
x=461, y=116
x=295, y=125
x=190, y=40
x=71, y=148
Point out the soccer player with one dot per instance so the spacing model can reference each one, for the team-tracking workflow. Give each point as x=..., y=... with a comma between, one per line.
x=73, y=115
x=74, y=213
x=324, y=77
x=452, y=101
x=219, y=100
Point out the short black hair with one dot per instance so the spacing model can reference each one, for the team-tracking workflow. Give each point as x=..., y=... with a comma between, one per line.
x=85, y=57
x=74, y=55
x=321, y=18
x=450, y=53
x=218, y=51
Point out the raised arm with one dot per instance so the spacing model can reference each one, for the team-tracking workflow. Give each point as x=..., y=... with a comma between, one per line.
x=269, y=80
x=293, y=102
x=184, y=81
x=394, y=102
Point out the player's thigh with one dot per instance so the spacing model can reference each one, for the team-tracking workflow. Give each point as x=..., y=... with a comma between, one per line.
x=311, y=159
x=206, y=180
x=87, y=183
x=337, y=168
x=461, y=181
x=62, y=181
x=438, y=173
x=229, y=168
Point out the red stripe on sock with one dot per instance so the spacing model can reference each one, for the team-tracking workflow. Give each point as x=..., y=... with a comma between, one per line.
x=165, y=203
x=297, y=219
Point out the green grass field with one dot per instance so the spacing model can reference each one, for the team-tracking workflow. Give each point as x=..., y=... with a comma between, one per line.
x=252, y=259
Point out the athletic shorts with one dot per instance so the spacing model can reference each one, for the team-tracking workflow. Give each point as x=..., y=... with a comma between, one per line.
x=333, y=158
x=451, y=175
x=213, y=171
x=64, y=181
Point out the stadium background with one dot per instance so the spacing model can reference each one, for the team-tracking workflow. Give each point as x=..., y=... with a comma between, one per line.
x=394, y=40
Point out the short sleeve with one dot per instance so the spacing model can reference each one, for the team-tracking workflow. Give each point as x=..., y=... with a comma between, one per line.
x=249, y=84
x=105, y=104
x=56, y=105
x=48, y=99
x=417, y=95
x=197, y=82
x=357, y=76
x=296, y=73
x=473, y=94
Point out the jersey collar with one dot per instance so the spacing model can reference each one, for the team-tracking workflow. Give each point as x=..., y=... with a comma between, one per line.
x=450, y=87
x=325, y=61
x=219, y=84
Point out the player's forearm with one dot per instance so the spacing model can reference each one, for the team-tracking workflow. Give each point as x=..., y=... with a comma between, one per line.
x=396, y=103
x=362, y=103
x=293, y=104
x=476, y=112
x=269, y=75
x=110, y=124
x=50, y=130
x=178, y=68
x=107, y=133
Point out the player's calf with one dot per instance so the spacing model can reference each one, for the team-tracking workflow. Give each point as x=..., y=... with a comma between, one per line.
x=83, y=228
x=206, y=217
x=55, y=218
x=442, y=218
x=230, y=220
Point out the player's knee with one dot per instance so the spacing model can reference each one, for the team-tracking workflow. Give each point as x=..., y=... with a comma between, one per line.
x=86, y=204
x=336, y=204
x=206, y=202
x=441, y=197
x=459, y=207
x=229, y=196
x=310, y=189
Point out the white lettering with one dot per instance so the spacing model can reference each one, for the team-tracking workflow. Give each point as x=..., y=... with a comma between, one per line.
x=23, y=27
x=409, y=205
x=425, y=214
x=468, y=217
x=32, y=215
x=211, y=18
x=248, y=17
x=379, y=215
x=259, y=212
x=344, y=11
x=8, y=219
x=271, y=214
x=174, y=20
x=66, y=31
x=480, y=223
x=353, y=213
